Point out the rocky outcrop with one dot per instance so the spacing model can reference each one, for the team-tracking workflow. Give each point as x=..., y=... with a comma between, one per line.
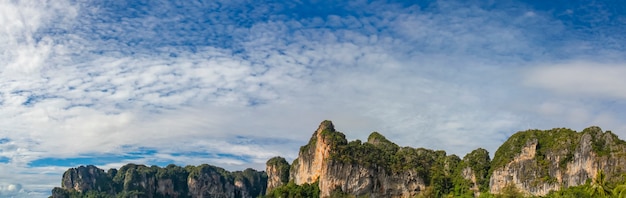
x=558, y=158
x=277, y=170
x=85, y=178
x=532, y=162
x=313, y=156
x=360, y=180
x=474, y=168
x=207, y=181
x=354, y=169
x=172, y=181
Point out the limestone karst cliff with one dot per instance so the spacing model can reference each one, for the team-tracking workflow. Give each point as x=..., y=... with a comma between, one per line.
x=537, y=162
x=377, y=168
x=278, y=168
x=532, y=162
x=172, y=181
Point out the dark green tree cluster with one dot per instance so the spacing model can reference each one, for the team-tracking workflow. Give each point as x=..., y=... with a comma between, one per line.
x=292, y=190
x=595, y=187
x=256, y=181
x=441, y=172
x=477, y=163
x=561, y=140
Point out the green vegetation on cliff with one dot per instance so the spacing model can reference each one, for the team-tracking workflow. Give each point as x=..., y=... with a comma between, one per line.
x=554, y=149
x=328, y=134
x=560, y=140
x=134, y=180
x=435, y=167
x=282, y=166
x=546, y=153
x=475, y=164
x=291, y=190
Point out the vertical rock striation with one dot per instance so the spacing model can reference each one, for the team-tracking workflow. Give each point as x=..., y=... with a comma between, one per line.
x=550, y=160
x=277, y=170
x=172, y=181
x=85, y=178
x=329, y=160
x=533, y=162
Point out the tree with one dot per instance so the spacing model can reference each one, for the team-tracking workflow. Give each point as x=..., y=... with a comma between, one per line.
x=510, y=191
x=620, y=191
x=599, y=187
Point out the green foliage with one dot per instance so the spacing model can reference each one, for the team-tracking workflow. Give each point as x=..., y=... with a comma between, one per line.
x=178, y=175
x=334, y=138
x=130, y=180
x=365, y=154
x=62, y=193
x=338, y=193
x=377, y=138
x=558, y=139
x=283, y=167
x=428, y=192
x=619, y=190
x=571, y=192
x=253, y=179
x=510, y=191
x=599, y=140
x=310, y=145
x=443, y=174
x=291, y=190
x=478, y=162
x=435, y=167
x=328, y=134
x=59, y=193
x=599, y=186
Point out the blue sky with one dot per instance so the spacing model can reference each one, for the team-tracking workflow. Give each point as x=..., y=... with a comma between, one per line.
x=233, y=83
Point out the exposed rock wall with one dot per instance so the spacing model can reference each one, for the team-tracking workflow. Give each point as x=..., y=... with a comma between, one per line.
x=313, y=157
x=537, y=173
x=172, y=181
x=535, y=162
x=86, y=178
x=470, y=175
x=277, y=170
x=208, y=182
x=314, y=164
x=359, y=180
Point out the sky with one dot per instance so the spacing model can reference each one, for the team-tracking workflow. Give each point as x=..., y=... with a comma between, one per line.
x=235, y=82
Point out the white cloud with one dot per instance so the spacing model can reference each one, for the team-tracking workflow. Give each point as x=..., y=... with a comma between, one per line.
x=443, y=79
x=581, y=78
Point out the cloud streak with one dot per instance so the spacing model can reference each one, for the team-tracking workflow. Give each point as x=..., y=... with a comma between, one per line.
x=234, y=83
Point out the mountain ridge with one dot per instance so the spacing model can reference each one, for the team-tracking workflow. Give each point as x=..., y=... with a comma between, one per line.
x=529, y=163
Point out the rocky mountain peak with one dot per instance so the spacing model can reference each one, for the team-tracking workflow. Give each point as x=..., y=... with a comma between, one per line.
x=326, y=125
x=533, y=162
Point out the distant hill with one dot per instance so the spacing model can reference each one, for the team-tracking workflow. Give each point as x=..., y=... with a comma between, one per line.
x=549, y=163
x=172, y=181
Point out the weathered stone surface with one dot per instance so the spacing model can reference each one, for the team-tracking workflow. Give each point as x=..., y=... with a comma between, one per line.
x=84, y=178
x=538, y=173
x=173, y=181
x=314, y=164
x=535, y=162
x=277, y=170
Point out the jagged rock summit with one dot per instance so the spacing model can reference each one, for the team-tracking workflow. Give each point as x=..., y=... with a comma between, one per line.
x=537, y=162
x=529, y=163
